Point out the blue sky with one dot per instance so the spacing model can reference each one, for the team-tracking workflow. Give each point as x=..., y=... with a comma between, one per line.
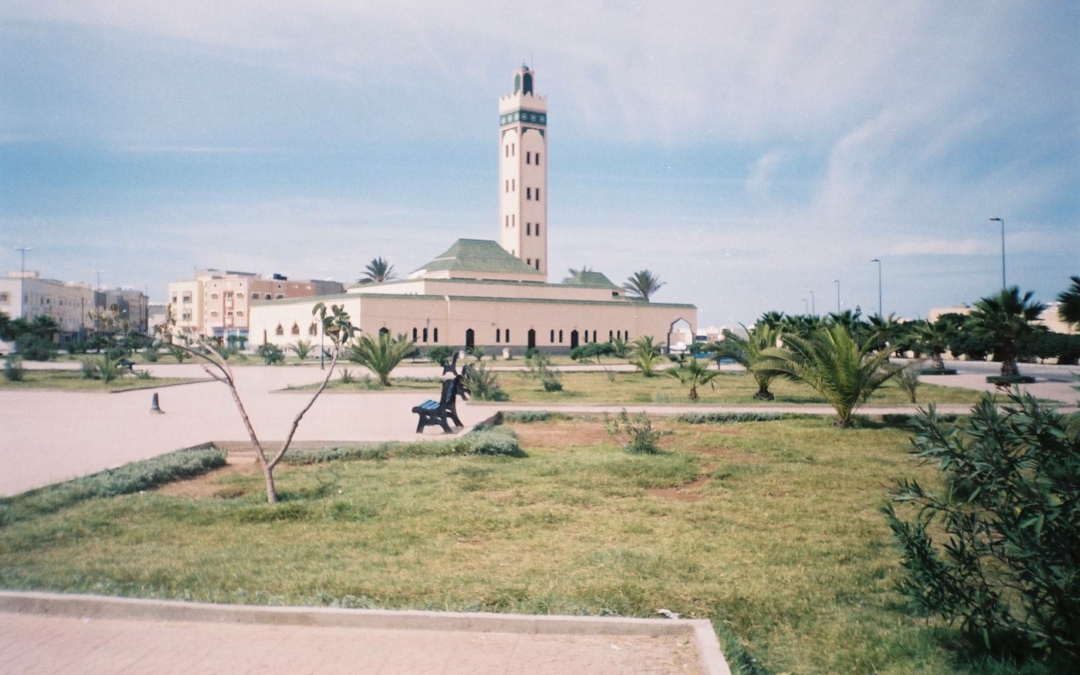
x=748, y=153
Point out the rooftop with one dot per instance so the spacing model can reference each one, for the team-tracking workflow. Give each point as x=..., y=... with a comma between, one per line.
x=477, y=256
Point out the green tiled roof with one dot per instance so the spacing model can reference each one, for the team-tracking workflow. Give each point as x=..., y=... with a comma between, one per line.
x=590, y=279
x=478, y=256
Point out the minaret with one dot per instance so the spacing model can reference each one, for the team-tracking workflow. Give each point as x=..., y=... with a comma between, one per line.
x=523, y=161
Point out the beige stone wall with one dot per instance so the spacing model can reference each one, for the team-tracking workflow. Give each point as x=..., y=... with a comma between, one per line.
x=553, y=322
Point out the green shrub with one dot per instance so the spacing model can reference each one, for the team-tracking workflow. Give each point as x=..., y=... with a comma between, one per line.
x=634, y=433
x=728, y=417
x=131, y=477
x=150, y=354
x=440, y=353
x=531, y=352
x=552, y=382
x=347, y=377
x=1008, y=571
x=907, y=378
x=34, y=348
x=13, y=368
x=494, y=441
x=484, y=384
x=489, y=441
x=270, y=353
x=525, y=416
x=88, y=369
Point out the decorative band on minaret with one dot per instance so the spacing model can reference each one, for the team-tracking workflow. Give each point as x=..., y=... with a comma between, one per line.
x=523, y=161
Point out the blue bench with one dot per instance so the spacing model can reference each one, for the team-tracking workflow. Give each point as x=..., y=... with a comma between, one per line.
x=443, y=410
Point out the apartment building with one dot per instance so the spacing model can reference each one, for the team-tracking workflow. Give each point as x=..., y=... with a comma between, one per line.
x=27, y=295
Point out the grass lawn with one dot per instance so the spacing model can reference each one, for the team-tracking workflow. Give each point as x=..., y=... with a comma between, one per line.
x=771, y=529
x=733, y=388
x=72, y=380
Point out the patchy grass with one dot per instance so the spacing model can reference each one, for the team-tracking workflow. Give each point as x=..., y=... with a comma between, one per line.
x=731, y=388
x=365, y=382
x=771, y=529
x=72, y=380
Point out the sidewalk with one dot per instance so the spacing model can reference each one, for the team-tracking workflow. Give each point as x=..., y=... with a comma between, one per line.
x=61, y=634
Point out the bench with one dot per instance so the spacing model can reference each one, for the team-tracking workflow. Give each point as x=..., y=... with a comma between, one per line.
x=126, y=363
x=438, y=412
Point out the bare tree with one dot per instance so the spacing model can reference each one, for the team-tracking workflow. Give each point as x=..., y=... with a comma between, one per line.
x=336, y=326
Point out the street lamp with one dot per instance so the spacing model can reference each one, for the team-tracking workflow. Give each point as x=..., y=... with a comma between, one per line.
x=813, y=305
x=880, y=309
x=1002, y=221
x=837, y=282
x=23, y=250
x=806, y=307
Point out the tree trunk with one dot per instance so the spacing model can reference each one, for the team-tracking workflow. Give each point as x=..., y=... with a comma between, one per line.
x=936, y=362
x=271, y=491
x=763, y=393
x=693, y=393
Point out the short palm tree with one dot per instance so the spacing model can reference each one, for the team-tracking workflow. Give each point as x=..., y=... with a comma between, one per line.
x=885, y=331
x=695, y=374
x=1003, y=319
x=646, y=355
x=1069, y=309
x=933, y=338
x=643, y=285
x=747, y=353
x=301, y=348
x=841, y=370
x=381, y=355
x=378, y=271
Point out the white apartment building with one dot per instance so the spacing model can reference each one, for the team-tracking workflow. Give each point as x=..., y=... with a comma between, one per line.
x=26, y=295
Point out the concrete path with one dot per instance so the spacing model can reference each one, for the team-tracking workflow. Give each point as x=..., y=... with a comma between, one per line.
x=58, y=634
x=49, y=436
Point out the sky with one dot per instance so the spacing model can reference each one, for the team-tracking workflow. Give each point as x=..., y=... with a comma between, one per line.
x=756, y=156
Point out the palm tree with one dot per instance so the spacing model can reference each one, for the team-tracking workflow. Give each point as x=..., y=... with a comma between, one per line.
x=934, y=338
x=853, y=321
x=382, y=355
x=646, y=355
x=747, y=353
x=378, y=271
x=576, y=274
x=843, y=372
x=885, y=331
x=1003, y=319
x=643, y=284
x=1069, y=309
x=772, y=319
x=694, y=374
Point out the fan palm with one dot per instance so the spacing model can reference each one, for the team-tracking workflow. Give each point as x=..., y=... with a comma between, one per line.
x=884, y=331
x=378, y=271
x=1003, y=319
x=381, y=355
x=934, y=338
x=643, y=285
x=747, y=353
x=694, y=374
x=1069, y=309
x=843, y=372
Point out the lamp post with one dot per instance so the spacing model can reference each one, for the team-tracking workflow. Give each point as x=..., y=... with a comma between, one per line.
x=813, y=305
x=837, y=282
x=23, y=250
x=806, y=307
x=880, y=309
x=1002, y=221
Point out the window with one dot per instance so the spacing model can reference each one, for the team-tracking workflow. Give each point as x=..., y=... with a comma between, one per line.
x=537, y=228
x=552, y=335
x=279, y=330
x=507, y=148
x=560, y=337
x=537, y=194
x=280, y=296
x=528, y=158
x=415, y=334
x=295, y=329
x=528, y=228
x=435, y=334
x=186, y=316
x=174, y=299
x=513, y=149
x=594, y=336
x=4, y=297
x=498, y=335
x=213, y=313
x=507, y=335
x=528, y=261
x=538, y=159
x=528, y=193
x=508, y=221
x=508, y=186
x=610, y=336
x=213, y=296
x=425, y=335
x=513, y=220
x=513, y=184
x=254, y=296
x=313, y=330
x=239, y=296
x=187, y=297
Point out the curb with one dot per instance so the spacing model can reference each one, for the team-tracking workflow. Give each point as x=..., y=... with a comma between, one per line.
x=710, y=656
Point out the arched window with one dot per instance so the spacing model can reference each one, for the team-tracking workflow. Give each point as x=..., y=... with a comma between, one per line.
x=254, y=296
x=470, y=338
x=295, y=329
x=425, y=334
x=415, y=334
x=435, y=335
x=610, y=336
x=552, y=340
x=594, y=336
x=279, y=330
x=498, y=335
x=384, y=331
x=507, y=336
x=560, y=336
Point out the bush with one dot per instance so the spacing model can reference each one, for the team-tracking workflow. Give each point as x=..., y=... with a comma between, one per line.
x=440, y=354
x=347, y=377
x=635, y=433
x=526, y=416
x=552, y=382
x=1008, y=571
x=150, y=354
x=33, y=348
x=907, y=378
x=484, y=384
x=728, y=418
x=592, y=350
x=270, y=353
x=13, y=368
x=488, y=441
x=531, y=352
x=131, y=477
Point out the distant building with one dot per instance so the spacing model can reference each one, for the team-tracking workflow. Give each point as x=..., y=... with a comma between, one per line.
x=26, y=295
x=493, y=294
x=218, y=303
x=126, y=307
x=1048, y=318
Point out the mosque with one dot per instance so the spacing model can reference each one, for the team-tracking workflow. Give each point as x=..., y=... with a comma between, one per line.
x=493, y=294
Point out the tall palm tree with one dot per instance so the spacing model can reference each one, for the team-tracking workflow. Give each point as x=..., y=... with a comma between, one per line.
x=1003, y=319
x=378, y=271
x=747, y=353
x=643, y=284
x=1069, y=309
x=844, y=372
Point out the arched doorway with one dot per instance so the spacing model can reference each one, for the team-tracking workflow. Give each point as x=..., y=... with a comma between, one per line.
x=573, y=339
x=532, y=339
x=384, y=331
x=680, y=333
x=470, y=339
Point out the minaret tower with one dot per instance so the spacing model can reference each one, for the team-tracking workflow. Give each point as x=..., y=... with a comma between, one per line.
x=523, y=161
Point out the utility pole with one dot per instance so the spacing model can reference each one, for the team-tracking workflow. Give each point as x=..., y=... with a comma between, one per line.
x=1002, y=221
x=880, y=309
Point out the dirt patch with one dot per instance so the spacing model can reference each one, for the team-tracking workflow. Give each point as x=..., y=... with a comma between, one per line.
x=691, y=492
x=561, y=434
x=209, y=485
